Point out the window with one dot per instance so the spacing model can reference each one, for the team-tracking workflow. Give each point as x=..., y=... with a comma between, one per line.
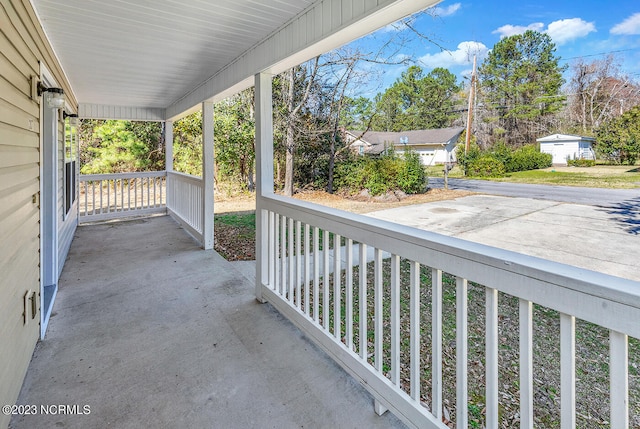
x=70, y=157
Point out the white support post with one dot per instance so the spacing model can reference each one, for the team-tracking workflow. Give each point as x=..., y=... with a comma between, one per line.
x=168, y=145
x=264, y=176
x=207, y=175
x=168, y=164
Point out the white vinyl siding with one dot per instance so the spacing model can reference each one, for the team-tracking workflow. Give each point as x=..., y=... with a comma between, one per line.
x=433, y=154
x=19, y=216
x=561, y=151
x=564, y=146
x=22, y=47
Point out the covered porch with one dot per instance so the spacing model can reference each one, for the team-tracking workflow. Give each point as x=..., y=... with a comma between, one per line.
x=148, y=330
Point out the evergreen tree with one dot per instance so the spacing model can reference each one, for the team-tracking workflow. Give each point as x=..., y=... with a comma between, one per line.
x=619, y=138
x=520, y=82
x=417, y=101
x=120, y=146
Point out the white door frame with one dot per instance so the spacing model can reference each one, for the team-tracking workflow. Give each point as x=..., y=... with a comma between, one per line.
x=48, y=202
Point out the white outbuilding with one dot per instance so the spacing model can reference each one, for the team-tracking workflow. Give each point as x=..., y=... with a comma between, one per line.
x=563, y=147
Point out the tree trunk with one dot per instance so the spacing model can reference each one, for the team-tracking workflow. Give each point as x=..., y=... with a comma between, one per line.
x=288, y=167
x=289, y=139
x=332, y=161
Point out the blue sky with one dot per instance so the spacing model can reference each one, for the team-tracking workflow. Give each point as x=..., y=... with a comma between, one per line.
x=584, y=28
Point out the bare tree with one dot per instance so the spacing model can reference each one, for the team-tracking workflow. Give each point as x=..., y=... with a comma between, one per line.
x=294, y=103
x=598, y=91
x=313, y=95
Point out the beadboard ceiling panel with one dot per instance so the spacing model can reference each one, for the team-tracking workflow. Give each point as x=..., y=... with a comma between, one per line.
x=151, y=52
x=138, y=58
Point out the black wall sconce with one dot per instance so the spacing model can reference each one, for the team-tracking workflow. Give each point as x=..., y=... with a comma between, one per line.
x=56, y=95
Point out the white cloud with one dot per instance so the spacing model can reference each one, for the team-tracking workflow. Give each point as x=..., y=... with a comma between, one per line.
x=399, y=25
x=437, y=11
x=561, y=31
x=466, y=73
x=460, y=57
x=445, y=11
x=401, y=58
x=511, y=30
x=392, y=28
x=629, y=27
x=565, y=30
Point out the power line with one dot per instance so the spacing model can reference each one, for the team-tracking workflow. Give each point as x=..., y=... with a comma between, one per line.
x=599, y=53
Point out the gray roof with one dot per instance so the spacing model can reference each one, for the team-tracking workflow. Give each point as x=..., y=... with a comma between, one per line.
x=565, y=137
x=380, y=139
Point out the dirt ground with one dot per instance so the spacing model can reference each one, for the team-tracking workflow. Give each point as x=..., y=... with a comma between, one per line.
x=244, y=203
x=237, y=242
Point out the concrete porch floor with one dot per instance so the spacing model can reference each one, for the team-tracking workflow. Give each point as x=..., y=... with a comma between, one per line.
x=148, y=330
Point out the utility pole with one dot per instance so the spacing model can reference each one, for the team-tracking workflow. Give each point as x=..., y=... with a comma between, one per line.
x=470, y=109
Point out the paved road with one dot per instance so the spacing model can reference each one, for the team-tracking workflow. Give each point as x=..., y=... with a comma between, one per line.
x=568, y=194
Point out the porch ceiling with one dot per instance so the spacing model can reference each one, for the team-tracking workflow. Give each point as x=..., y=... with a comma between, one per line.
x=158, y=59
x=149, y=53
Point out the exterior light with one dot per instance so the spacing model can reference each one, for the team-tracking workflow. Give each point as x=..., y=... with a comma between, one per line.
x=56, y=96
x=73, y=118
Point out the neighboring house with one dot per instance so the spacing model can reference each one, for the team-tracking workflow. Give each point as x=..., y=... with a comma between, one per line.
x=566, y=146
x=434, y=146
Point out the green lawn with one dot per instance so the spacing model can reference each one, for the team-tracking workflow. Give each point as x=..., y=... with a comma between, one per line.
x=604, y=176
x=600, y=176
x=437, y=171
x=240, y=220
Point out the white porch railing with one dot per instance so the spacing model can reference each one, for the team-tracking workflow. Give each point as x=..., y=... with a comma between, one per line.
x=375, y=317
x=121, y=195
x=184, y=202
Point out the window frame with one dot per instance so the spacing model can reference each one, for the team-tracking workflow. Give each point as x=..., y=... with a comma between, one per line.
x=70, y=169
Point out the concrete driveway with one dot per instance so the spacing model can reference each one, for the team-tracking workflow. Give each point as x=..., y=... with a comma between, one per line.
x=605, y=239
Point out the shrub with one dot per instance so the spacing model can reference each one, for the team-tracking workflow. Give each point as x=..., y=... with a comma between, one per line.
x=381, y=175
x=478, y=163
x=349, y=174
x=504, y=154
x=528, y=158
x=411, y=177
x=464, y=160
x=486, y=166
x=581, y=162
